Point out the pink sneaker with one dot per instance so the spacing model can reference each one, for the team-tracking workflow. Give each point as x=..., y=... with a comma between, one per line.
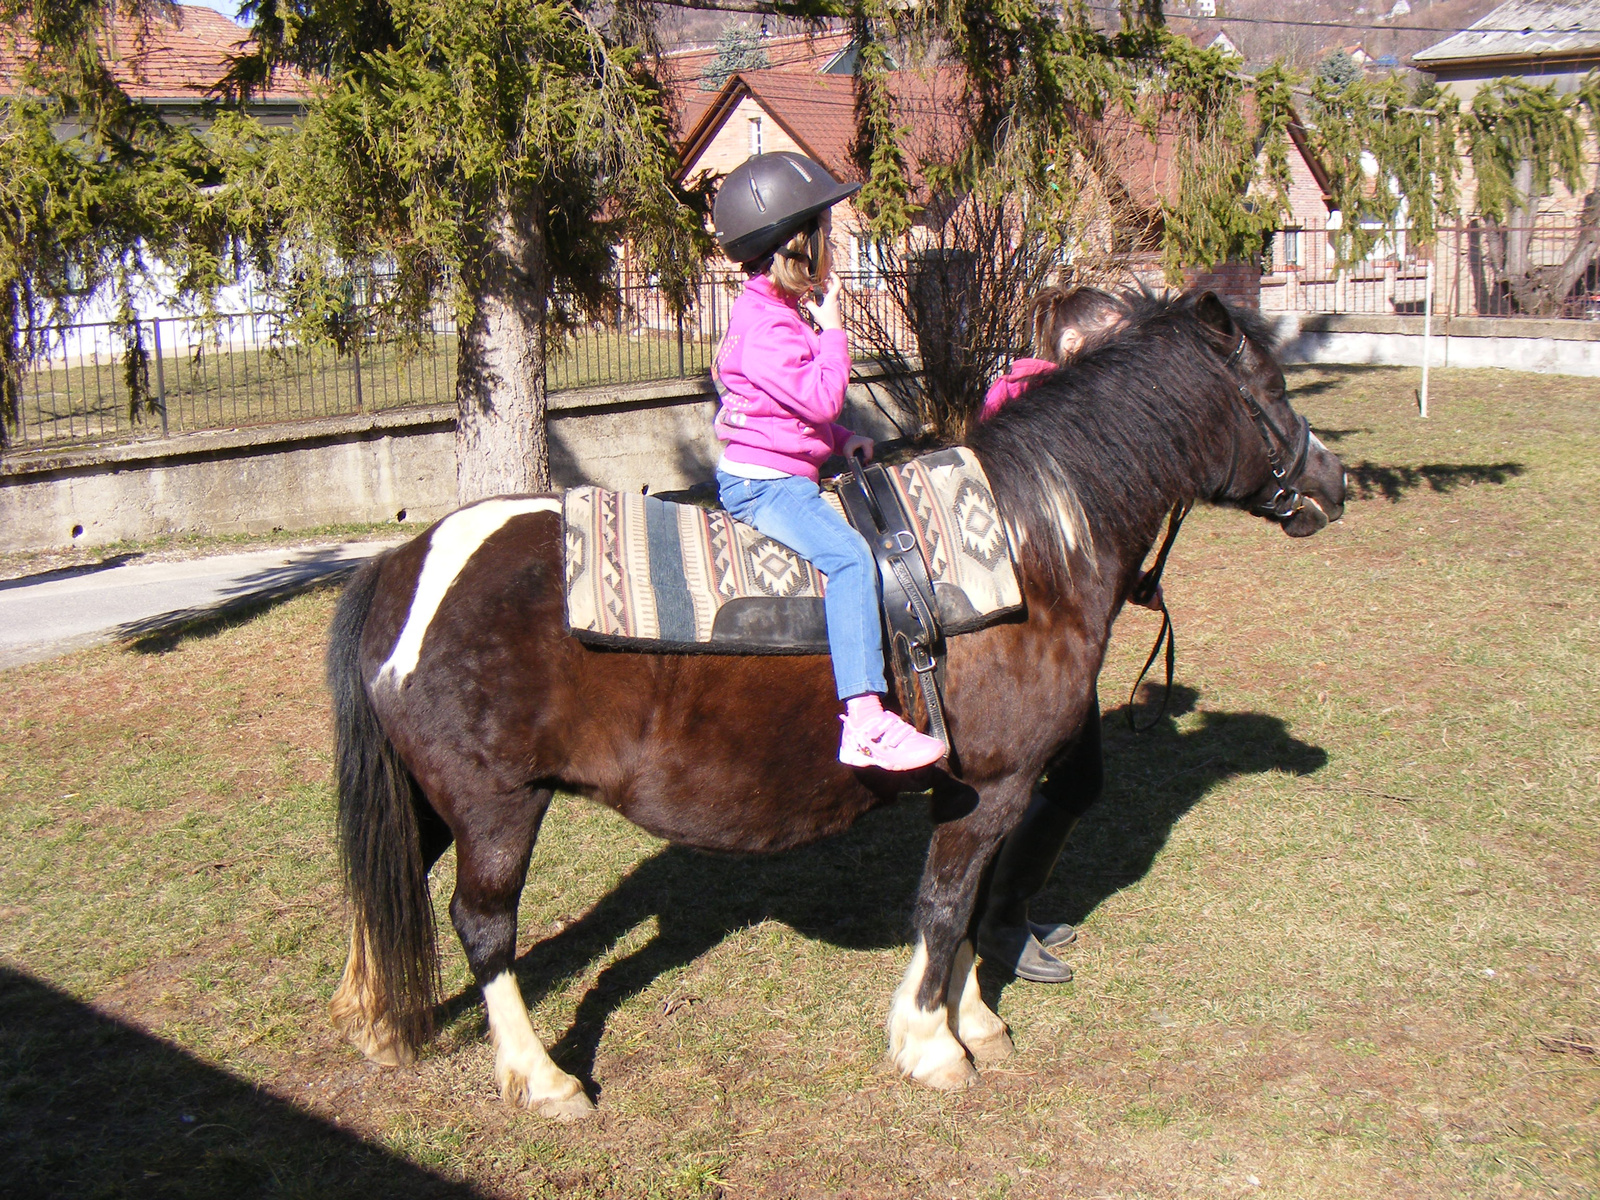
x=885, y=741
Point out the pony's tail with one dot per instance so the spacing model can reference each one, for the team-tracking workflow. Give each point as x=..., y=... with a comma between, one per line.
x=391, y=984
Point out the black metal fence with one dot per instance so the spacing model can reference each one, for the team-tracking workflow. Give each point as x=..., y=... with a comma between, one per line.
x=243, y=369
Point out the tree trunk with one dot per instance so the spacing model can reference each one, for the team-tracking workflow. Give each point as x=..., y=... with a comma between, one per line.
x=1543, y=291
x=1519, y=232
x=500, y=397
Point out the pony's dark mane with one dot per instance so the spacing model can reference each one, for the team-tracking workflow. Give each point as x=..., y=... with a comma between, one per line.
x=1098, y=450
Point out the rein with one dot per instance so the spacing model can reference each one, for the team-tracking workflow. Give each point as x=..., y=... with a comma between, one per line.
x=1147, y=586
x=1285, y=502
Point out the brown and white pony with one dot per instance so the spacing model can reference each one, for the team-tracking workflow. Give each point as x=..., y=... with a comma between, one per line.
x=461, y=703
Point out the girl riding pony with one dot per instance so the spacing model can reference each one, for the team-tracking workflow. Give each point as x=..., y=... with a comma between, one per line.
x=782, y=387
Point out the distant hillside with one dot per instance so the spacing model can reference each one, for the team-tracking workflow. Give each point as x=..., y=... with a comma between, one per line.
x=1303, y=47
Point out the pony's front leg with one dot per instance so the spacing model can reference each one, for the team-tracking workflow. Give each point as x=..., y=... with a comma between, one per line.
x=939, y=995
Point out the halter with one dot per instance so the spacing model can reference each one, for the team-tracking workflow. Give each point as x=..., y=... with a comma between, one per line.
x=1288, y=499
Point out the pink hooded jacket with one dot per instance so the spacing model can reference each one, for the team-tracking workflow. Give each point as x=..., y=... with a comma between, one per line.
x=1012, y=384
x=781, y=384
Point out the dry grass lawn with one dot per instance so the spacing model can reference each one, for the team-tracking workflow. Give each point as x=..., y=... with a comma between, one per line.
x=1339, y=911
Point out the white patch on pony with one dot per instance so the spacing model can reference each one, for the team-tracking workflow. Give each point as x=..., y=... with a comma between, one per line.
x=1317, y=442
x=920, y=1041
x=523, y=1070
x=1070, y=519
x=976, y=1025
x=455, y=540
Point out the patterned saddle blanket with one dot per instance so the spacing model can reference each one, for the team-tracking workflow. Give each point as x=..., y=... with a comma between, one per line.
x=651, y=575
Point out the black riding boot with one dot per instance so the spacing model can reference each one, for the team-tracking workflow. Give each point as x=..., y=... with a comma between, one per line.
x=1006, y=937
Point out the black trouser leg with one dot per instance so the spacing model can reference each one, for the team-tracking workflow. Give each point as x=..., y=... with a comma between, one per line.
x=1070, y=785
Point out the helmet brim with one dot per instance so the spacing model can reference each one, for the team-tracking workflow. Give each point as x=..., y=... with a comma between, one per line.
x=758, y=243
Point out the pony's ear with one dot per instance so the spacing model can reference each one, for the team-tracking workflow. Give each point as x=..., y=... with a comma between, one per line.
x=1214, y=314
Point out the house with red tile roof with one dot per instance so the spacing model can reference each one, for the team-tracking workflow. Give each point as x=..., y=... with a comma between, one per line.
x=173, y=64
x=791, y=106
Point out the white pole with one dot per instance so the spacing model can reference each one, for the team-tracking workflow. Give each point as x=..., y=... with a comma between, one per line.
x=1427, y=334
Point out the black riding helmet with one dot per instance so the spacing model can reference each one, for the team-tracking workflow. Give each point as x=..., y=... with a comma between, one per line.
x=769, y=198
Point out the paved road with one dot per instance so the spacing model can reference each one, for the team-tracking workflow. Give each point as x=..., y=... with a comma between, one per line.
x=50, y=614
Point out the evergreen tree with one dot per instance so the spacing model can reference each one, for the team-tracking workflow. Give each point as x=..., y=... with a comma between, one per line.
x=1338, y=70
x=737, y=50
x=493, y=154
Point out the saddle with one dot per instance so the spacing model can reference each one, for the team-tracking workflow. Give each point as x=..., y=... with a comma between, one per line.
x=646, y=574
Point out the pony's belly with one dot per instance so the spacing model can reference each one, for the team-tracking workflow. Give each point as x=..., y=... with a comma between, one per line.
x=747, y=812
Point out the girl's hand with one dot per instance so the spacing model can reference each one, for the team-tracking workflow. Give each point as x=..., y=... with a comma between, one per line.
x=826, y=314
x=859, y=442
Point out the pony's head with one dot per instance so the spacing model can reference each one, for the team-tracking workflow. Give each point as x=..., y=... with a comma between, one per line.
x=1281, y=470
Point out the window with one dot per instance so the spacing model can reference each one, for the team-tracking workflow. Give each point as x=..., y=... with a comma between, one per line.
x=755, y=135
x=870, y=260
x=1293, y=256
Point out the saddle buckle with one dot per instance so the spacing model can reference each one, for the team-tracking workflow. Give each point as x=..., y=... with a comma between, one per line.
x=904, y=541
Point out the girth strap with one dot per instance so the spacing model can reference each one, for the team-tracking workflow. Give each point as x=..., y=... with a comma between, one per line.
x=909, y=605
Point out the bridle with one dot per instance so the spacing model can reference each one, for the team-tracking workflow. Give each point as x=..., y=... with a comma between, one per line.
x=1287, y=499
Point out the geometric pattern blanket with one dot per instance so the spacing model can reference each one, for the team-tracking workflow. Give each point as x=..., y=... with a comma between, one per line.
x=651, y=575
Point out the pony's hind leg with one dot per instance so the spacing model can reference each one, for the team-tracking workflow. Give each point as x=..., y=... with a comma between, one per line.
x=493, y=847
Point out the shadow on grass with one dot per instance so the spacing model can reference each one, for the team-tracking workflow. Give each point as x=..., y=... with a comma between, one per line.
x=92, y=1107
x=856, y=891
x=1368, y=481
x=243, y=600
x=1333, y=378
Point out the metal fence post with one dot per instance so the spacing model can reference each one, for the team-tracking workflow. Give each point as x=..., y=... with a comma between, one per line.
x=680, y=341
x=161, y=376
x=355, y=354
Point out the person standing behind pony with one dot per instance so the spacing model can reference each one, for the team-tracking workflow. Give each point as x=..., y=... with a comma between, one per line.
x=1067, y=323
x=782, y=387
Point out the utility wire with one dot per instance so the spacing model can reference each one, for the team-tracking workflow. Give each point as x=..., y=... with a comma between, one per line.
x=1377, y=28
x=771, y=8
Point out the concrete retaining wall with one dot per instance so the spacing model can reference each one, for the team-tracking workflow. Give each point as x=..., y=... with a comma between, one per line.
x=401, y=466
x=1518, y=344
x=396, y=466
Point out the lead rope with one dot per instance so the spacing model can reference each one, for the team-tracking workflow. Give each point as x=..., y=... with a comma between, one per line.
x=1142, y=591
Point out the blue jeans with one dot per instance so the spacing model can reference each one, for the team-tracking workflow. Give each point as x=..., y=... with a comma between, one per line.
x=792, y=511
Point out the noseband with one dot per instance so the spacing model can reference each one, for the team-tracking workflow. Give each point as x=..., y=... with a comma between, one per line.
x=1288, y=499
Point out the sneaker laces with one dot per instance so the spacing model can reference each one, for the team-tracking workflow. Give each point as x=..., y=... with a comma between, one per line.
x=885, y=728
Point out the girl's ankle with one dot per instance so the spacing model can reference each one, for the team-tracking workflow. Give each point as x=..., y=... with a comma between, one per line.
x=863, y=707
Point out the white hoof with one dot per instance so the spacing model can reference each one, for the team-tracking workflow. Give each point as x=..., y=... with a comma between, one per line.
x=541, y=1087
x=976, y=1026
x=948, y=1077
x=357, y=1014
x=990, y=1050
x=920, y=1040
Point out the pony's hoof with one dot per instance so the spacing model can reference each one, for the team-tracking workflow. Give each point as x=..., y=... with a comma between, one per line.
x=566, y=1108
x=377, y=1045
x=952, y=1076
x=389, y=1054
x=995, y=1048
x=551, y=1093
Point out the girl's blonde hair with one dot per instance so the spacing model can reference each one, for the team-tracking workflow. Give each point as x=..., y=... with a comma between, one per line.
x=788, y=270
